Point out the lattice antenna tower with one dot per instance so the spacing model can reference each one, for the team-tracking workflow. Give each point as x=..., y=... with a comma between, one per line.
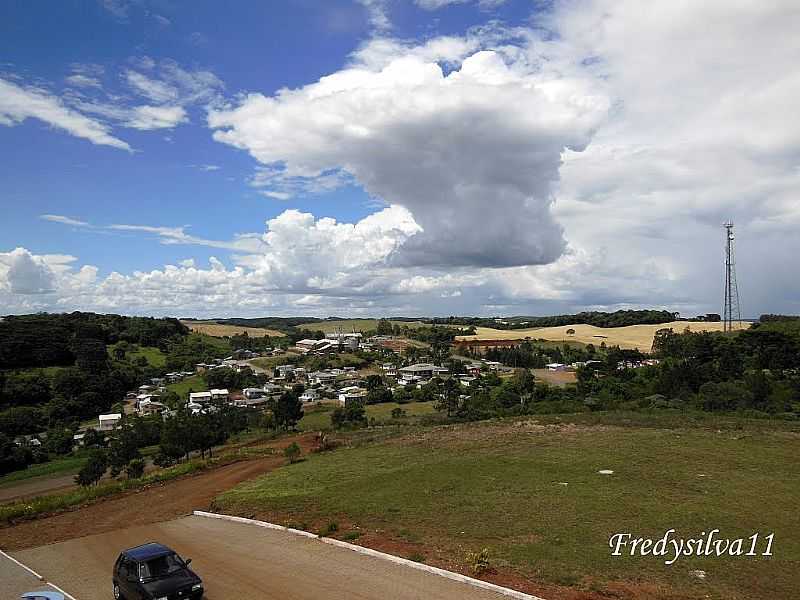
x=731, y=312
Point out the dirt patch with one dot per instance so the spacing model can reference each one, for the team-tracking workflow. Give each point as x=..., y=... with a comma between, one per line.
x=151, y=504
x=556, y=378
x=219, y=330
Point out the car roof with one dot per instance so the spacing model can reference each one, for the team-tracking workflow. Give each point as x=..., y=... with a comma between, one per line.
x=147, y=551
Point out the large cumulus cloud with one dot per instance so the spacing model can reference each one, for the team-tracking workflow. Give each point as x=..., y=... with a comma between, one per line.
x=473, y=153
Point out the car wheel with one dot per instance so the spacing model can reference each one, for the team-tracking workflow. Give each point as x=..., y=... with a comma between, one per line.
x=117, y=593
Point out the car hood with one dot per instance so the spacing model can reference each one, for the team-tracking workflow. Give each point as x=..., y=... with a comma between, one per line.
x=171, y=584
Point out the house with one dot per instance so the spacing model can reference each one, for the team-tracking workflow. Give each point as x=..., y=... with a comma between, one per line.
x=77, y=439
x=109, y=422
x=419, y=371
x=556, y=367
x=254, y=393
x=284, y=370
x=310, y=345
x=389, y=370
x=259, y=402
x=200, y=397
x=143, y=389
x=474, y=369
x=349, y=341
x=321, y=377
x=220, y=395
x=151, y=407
x=310, y=395
x=352, y=394
x=468, y=381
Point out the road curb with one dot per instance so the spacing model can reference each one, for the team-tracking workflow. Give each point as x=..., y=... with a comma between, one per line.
x=376, y=554
x=37, y=576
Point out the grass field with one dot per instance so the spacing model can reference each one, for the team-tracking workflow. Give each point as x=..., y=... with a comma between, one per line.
x=319, y=417
x=194, y=383
x=530, y=492
x=59, y=466
x=155, y=357
x=632, y=336
x=217, y=330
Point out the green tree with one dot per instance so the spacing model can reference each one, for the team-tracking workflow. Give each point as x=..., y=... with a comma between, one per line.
x=93, y=470
x=288, y=410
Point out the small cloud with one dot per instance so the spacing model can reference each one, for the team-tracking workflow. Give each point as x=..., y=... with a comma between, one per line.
x=276, y=195
x=64, y=220
x=198, y=39
x=118, y=8
x=209, y=167
x=162, y=20
x=83, y=81
x=188, y=263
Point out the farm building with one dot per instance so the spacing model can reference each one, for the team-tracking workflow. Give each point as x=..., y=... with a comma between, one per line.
x=109, y=422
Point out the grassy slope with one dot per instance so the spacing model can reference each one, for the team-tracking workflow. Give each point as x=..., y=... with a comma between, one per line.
x=499, y=486
x=60, y=466
x=155, y=357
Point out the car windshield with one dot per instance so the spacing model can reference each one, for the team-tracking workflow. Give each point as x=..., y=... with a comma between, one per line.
x=161, y=566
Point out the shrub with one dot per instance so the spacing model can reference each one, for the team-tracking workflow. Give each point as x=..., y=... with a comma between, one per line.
x=135, y=468
x=479, y=561
x=292, y=452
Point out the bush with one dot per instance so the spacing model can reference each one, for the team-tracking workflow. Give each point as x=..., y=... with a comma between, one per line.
x=292, y=452
x=479, y=561
x=135, y=468
x=93, y=470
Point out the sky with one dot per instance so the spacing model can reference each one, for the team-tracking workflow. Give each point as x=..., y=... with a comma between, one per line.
x=397, y=157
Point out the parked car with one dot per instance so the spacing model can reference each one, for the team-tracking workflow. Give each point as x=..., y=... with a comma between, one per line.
x=42, y=595
x=153, y=571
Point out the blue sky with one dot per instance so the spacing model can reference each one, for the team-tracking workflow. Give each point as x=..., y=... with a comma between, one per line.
x=478, y=156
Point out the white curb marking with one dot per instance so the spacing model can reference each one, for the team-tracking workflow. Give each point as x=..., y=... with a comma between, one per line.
x=374, y=553
x=39, y=577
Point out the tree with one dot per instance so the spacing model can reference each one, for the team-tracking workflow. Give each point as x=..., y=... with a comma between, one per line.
x=12, y=457
x=93, y=470
x=448, y=399
x=288, y=410
x=379, y=395
x=384, y=327
x=351, y=415
x=93, y=439
x=135, y=469
x=292, y=452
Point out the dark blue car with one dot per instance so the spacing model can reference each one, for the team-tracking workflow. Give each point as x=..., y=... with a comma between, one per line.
x=154, y=572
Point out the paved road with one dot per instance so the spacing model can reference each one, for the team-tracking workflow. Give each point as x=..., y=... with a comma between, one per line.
x=245, y=561
x=15, y=581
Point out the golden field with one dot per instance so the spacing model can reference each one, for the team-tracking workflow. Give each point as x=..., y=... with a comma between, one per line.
x=217, y=330
x=632, y=336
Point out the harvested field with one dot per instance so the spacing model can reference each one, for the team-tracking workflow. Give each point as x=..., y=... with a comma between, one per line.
x=217, y=330
x=557, y=378
x=632, y=336
x=348, y=325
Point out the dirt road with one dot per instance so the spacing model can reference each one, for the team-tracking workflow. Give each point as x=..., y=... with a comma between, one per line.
x=159, y=502
x=37, y=486
x=244, y=561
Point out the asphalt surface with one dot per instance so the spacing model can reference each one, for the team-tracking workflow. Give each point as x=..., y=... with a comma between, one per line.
x=15, y=581
x=241, y=561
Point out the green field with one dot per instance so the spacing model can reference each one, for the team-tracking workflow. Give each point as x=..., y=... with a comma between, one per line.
x=195, y=383
x=155, y=357
x=319, y=417
x=502, y=486
x=59, y=466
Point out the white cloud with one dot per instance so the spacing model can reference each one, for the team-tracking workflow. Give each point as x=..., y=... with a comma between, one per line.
x=64, y=220
x=25, y=274
x=377, y=14
x=437, y=4
x=19, y=103
x=152, y=89
x=83, y=81
x=156, y=117
x=453, y=149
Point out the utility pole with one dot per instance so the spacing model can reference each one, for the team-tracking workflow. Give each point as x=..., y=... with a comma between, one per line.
x=731, y=311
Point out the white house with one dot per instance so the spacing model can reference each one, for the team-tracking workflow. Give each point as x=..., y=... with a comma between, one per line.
x=352, y=394
x=417, y=371
x=199, y=397
x=321, y=377
x=109, y=422
x=389, y=370
x=310, y=395
x=220, y=395
x=556, y=367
